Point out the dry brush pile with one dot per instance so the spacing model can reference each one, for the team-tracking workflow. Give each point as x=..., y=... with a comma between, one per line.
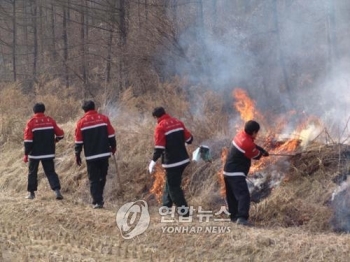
x=305, y=195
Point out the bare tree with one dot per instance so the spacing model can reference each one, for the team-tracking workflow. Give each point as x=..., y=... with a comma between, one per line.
x=122, y=21
x=53, y=32
x=65, y=43
x=14, y=40
x=83, y=43
x=333, y=53
x=280, y=52
x=146, y=10
x=214, y=10
x=112, y=24
x=34, y=13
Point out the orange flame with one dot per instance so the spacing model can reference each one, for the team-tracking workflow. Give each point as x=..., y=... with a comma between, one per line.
x=158, y=184
x=244, y=105
x=272, y=141
x=289, y=146
x=224, y=153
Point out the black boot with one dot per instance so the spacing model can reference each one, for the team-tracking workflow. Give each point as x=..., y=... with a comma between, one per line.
x=242, y=221
x=58, y=194
x=31, y=195
x=98, y=205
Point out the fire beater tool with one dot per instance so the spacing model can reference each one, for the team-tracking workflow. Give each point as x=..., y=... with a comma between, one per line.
x=283, y=154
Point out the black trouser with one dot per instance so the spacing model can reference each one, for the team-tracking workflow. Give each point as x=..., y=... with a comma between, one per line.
x=173, y=193
x=49, y=170
x=237, y=197
x=97, y=171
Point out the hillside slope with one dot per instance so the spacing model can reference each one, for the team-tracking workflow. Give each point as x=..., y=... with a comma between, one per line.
x=292, y=221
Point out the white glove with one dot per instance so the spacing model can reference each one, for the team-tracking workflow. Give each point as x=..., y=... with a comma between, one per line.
x=151, y=166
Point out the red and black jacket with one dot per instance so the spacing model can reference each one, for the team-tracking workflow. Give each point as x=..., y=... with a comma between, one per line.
x=238, y=160
x=95, y=133
x=170, y=136
x=39, y=137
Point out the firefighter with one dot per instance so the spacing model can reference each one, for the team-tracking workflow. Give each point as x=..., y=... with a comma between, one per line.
x=96, y=135
x=40, y=135
x=170, y=136
x=236, y=169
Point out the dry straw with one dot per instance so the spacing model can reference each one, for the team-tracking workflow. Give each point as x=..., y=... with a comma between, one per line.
x=296, y=213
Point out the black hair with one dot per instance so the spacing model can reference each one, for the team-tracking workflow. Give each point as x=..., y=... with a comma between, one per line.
x=88, y=105
x=39, y=108
x=158, y=112
x=251, y=126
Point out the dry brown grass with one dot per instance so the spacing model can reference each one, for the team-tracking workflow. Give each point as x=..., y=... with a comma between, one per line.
x=292, y=222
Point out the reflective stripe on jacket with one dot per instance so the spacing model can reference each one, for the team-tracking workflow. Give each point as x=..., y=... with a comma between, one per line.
x=95, y=134
x=170, y=136
x=39, y=137
x=243, y=149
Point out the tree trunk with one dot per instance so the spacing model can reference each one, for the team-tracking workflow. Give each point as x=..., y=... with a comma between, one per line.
x=139, y=14
x=281, y=55
x=53, y=35
x=35, y=38
x=41, y=32
x=122, y=21
x=109, y=54
x=215, y=15
x=112, y=23
x=201, y=15
x=65, y=45
x=83, y=44
x=122, y=43
x=333, y=53
x=14, y=40
x=146, y=10
x=25, y=30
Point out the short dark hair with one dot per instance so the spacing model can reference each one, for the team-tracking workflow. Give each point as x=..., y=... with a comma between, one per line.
x=158, y=111
x=88, y=105
x=39, y=108
x=251, y=126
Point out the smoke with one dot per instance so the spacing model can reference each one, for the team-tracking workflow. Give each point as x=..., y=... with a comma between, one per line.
x=294, y=59
x=309, y=134
x=110, y=109
x=333, y=105
x=300, y=65
x=261, y=184
x=340, y=205
x=126, y=120
x=214, y=62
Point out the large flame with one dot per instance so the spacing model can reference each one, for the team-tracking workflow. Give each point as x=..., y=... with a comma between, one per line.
x=244, y=105
x=277, y=137
x=280, y=135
